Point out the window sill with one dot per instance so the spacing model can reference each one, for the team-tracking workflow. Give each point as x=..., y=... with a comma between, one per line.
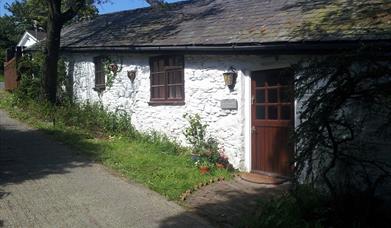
x=99, y=89
x=173, y=103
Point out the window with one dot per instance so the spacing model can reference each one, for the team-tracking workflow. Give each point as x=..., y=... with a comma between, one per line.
x=274, y=95
x=100, y=83
x=167, y=83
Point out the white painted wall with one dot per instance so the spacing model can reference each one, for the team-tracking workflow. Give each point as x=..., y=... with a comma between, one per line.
x=204, y=89
x=27, y=40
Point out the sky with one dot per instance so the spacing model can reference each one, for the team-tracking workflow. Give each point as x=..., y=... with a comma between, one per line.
x=112, y=6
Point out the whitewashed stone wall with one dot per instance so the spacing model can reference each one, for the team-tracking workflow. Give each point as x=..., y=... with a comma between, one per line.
x=204, y=89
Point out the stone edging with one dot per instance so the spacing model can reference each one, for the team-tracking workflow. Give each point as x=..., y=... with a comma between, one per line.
x=188, y=192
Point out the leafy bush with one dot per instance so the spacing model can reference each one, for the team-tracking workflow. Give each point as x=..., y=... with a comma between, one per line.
x=29, y=67
x=195, y=133
x=207, y=148
x=303, y=207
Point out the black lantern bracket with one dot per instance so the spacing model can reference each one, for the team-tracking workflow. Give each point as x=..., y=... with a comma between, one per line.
x=230, y=78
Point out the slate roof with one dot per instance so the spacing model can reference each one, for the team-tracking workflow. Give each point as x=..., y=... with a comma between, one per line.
x=235, y=22
x=39, y=35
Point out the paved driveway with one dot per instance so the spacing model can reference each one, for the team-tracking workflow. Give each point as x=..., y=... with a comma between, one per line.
x=44, y=184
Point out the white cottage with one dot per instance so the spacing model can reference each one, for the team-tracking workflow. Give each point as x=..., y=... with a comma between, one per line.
x=31, y=37
x=179, y=58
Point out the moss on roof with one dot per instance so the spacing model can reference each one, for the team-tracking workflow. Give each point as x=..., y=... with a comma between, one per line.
x=226, y=22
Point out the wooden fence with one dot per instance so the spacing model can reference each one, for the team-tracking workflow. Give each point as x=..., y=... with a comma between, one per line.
x=11, y=77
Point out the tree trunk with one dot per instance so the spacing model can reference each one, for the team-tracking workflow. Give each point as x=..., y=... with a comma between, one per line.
x=52, y=50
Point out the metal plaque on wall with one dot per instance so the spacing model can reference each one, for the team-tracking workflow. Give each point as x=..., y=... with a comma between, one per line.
x=229, y=104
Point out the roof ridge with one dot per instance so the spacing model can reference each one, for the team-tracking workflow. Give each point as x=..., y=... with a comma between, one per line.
x=181, y=2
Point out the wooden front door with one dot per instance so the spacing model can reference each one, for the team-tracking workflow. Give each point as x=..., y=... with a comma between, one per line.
x=272, y=121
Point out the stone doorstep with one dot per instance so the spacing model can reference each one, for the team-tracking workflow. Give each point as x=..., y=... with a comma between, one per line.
x=262, y=179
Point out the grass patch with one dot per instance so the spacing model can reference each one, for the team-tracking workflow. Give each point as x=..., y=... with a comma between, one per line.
x=1, y=77
x=150, y=159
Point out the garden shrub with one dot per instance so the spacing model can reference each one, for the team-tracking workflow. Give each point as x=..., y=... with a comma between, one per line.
x=302, y=207
x=306, y=206
x=204, y=146
x=29, y=67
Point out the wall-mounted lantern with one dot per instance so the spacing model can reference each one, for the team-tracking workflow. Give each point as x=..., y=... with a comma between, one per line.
x=230, y=78
x=132, y=75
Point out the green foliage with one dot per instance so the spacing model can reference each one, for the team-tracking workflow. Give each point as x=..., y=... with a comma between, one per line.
x=161, y=141
x=196, y=132
x=95, y=118
x=28, y=14
x=342, y=141
x=203, y=162
x=206, y=148
x=108, y=137
x=111, y=69
x=9, y=36
x=306, y=206
x=303, y=207
x=29, y=68
x=345, y=120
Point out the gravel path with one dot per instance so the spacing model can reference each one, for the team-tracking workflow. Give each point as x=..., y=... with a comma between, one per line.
x=45, y=184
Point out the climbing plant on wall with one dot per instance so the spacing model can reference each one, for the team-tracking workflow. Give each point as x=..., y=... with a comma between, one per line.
x=112, y=68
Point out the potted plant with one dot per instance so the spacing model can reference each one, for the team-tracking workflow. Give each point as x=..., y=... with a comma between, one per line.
x=222, y=160
x=203, y=166
x=220, y=165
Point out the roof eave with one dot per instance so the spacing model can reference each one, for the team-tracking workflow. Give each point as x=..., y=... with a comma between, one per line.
x=292, y=47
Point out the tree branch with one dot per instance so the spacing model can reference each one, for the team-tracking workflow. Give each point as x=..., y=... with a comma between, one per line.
x=72, y=11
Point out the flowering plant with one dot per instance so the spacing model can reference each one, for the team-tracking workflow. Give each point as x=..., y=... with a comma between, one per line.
x=202, y=163
x=111, y=70
x=222, y=159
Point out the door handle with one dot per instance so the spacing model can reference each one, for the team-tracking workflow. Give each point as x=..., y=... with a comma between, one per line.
x=253, y=129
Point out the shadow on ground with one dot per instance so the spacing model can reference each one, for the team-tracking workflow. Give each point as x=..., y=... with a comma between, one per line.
x=227, y=204
x=28, y=155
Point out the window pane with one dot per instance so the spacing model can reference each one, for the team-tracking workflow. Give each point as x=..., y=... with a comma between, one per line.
x=154, y=65
x=174, y=92
x=179, y=61
x=260, y=81
x=272, y=113
x=168, y=83
x=171, y=92
x=162, y=92
x=161, y=64
x=260, y=112
x=272, y=96
x=157, y=79
x=154, y=79
x=286, y=80
x=286, y=112
x=99, y=71
x=285, y=94
x=161, y=79
x=260, y=96
x=179, y=92
x=155, y=92
x=174, y=77
x=171, y=77
x=272, y=80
